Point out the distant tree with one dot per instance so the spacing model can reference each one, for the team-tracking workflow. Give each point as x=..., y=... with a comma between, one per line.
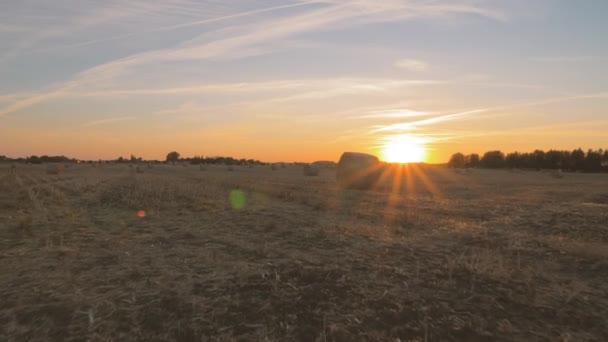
x=577, y=160
x=173, y=157
x=554, y=160
x=593, y=161
x=133, y=159
x=120, y=159
x=513, y=160
x=473, y=160
x=538, y=159
x=33, y=160
x=493, y=159
x=605, y=160
x=457, y=161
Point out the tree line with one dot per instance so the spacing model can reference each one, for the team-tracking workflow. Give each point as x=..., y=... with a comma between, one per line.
x=572, y=161
x=172, y=157
x=39, y=159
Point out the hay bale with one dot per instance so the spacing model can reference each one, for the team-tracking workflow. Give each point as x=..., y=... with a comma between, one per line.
x=311, y=170
x=273, y=167
x=139, y=169
x=230, y=168
x=54, y=169
x=358, y=170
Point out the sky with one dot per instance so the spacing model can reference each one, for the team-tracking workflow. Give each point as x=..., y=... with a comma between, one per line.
x=300, y=80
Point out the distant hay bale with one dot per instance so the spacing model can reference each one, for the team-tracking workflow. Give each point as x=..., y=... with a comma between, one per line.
x=358, y=171
x=139, y=169
x=273, y=167
x=54, y=169
x=230, y=168
x=311, y=170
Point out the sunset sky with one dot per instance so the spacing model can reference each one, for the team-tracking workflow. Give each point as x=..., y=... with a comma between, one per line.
x=300, y=80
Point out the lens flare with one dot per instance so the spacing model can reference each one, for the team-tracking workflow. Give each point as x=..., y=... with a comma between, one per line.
x=237, y=199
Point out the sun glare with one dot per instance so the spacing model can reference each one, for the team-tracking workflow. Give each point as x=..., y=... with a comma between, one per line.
x=403, y=149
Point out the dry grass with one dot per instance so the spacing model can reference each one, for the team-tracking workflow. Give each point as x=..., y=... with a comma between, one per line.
x=108, y=254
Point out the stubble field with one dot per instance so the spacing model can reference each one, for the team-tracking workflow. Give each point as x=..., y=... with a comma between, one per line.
x=108, y=254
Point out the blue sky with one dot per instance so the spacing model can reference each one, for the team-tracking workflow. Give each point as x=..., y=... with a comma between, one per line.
x=300, y=80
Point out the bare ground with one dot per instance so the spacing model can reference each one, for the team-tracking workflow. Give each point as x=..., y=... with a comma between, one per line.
x=438, y=255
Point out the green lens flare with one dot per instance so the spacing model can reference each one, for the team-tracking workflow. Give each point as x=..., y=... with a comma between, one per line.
x=237, y=199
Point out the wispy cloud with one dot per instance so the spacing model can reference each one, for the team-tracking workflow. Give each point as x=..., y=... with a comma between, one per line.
x=108, y=121
x=405, y=126
x=304, y=89
x=332, y=14
x=412, y=125
x=393, y=113
x=193, y=23
x=412, y=64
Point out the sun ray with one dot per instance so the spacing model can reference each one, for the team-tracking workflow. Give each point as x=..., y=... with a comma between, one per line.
x=426, y=182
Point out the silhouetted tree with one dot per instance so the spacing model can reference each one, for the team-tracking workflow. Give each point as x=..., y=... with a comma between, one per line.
x=593, y=161
x=513, y=160
x=538, y=159
x=553, y=160
x=457, y=160
x=577, y=160
x=173, y=157
x=473, y=160
x=33, y=160
x=493, y=159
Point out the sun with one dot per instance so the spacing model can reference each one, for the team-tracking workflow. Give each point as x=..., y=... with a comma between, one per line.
x=403, y=149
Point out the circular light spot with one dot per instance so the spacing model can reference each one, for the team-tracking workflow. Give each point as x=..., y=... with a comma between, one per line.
x=237, y=199
x=141, y=214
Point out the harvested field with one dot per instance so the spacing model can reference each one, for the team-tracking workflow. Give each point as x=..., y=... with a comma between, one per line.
x=109, y=254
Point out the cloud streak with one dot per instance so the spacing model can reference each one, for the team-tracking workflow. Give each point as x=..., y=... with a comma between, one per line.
x=412, y=65
x=332, y=15
x=405, y=126
x=108, y=121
